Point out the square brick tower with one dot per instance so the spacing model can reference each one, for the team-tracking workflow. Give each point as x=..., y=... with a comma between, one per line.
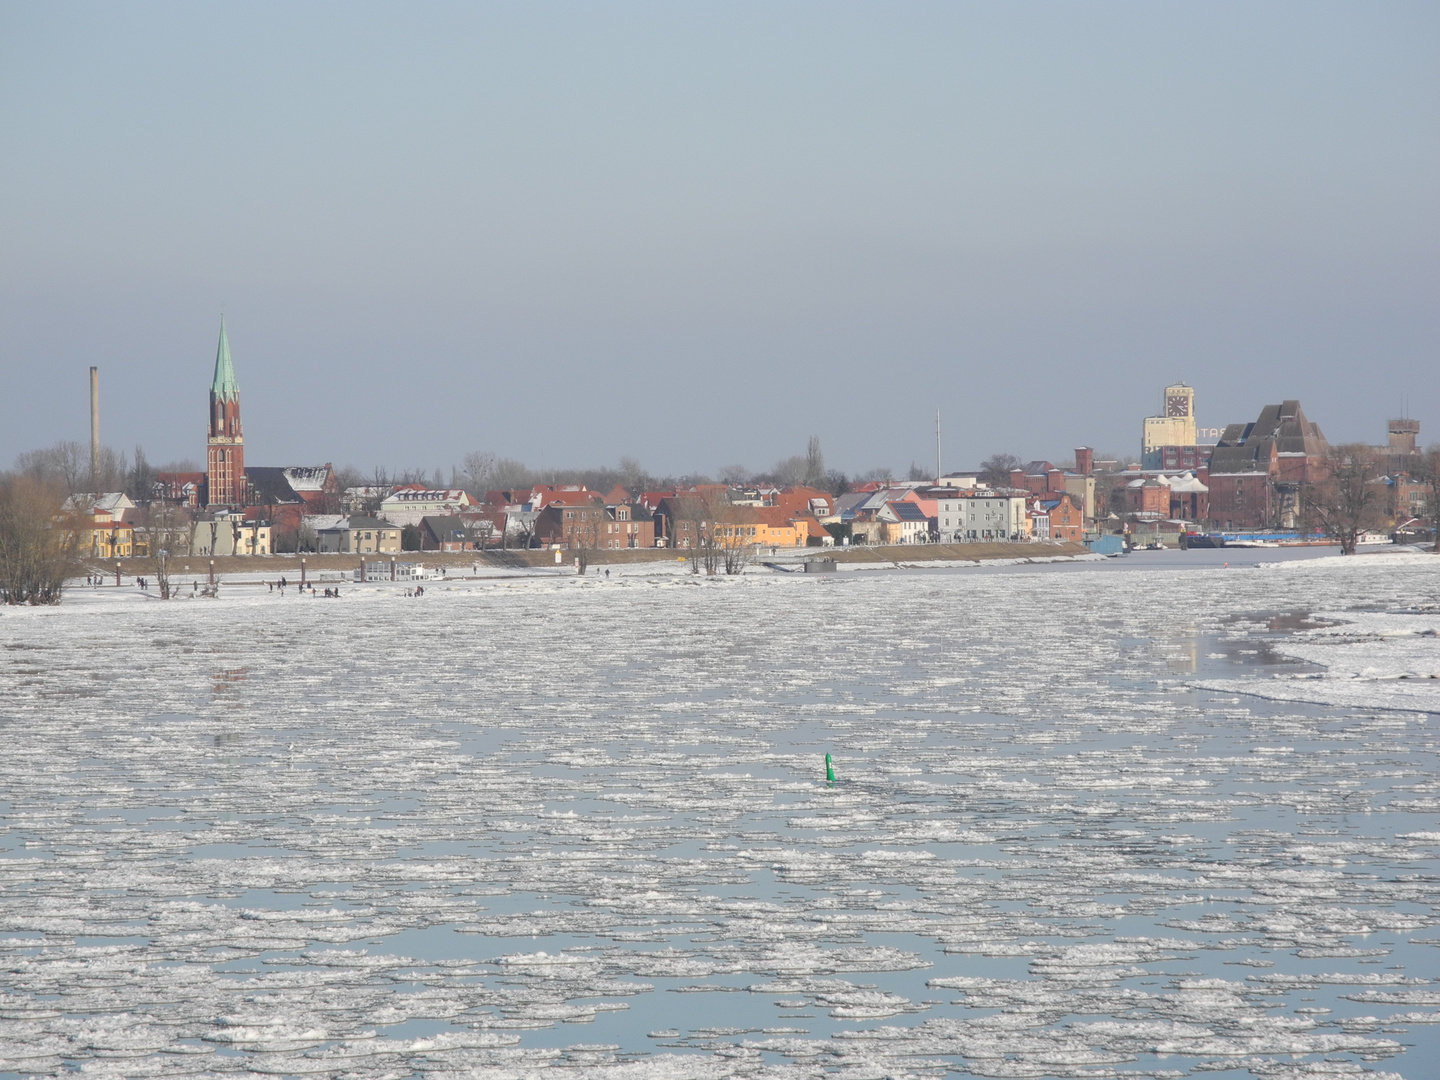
x=226, y=457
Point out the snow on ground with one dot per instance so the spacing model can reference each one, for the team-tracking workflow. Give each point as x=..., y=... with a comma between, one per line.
x=1386, y=657
x=583, y=823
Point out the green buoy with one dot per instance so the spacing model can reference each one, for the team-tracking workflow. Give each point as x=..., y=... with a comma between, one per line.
x=829, y=770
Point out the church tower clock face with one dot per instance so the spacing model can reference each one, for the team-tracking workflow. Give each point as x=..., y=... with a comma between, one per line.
x=1177, y=405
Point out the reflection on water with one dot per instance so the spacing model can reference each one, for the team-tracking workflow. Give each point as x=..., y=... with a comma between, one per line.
x=225, y=682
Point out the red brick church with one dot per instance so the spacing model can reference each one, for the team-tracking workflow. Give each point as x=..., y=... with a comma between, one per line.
x=278, y=495
x=225, y=455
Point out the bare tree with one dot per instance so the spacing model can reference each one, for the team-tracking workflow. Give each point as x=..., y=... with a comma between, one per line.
x=485, y=472
x=306, y=538
x=814, y=463
x=1348, y=500
x=731, y=536
x=585, y=535
x=38, y=541
x=633, y=477
x=140, y=484
x=478, y=469
x=376, y=492
x=789, y=471
x=995, y=470
x=695, y=531
x=64, y=465
x=734, y=475
x=167, y=532
x=1427, y=471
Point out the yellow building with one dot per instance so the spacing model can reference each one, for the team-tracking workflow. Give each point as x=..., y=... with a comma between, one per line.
x=762, y=526
x=108, y=540
x=1175, y=426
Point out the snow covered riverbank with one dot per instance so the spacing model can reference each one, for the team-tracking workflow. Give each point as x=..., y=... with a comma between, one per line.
x=1386, y=658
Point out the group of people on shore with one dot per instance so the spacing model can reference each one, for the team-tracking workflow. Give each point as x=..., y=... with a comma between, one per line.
x=331, y=591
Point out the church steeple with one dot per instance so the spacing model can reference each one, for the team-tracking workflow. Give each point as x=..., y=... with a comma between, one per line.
x=224, y=387
x=226, y=451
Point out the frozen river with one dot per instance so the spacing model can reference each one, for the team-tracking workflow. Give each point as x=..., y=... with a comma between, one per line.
x=1161, y=819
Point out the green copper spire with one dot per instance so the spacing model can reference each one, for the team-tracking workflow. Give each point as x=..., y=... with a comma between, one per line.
x=224, y=388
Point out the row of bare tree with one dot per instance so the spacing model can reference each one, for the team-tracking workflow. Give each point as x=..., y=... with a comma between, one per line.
x=1353, y=499
x=43, y=536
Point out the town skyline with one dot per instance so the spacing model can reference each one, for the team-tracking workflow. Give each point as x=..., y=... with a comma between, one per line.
x=443, y=472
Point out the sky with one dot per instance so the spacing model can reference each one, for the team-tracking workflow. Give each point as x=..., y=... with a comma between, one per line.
x=697, y=234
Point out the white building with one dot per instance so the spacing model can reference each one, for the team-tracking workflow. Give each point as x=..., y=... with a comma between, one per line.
x=105, y=507
x=982, y=514
x=407, y=506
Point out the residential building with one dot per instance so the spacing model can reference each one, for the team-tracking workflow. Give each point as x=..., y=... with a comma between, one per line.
x=106, y=529
x=543, y=495
x=627, y=525
x=1045, y=478
x=983, y=514
x=448, y=532
x=562, y=525
x=1064, y=518
x=911, y=525
x=407, y=505
x=229, y=532
x=105, y=507
x=1406, y=497
x=1039, y=523
x=360, y=534
x=187, y=489
x=967, y=480
x=363, y=498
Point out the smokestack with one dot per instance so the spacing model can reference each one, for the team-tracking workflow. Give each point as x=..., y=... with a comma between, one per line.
x=94, y=423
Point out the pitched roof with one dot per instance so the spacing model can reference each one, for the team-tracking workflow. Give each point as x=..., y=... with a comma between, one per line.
x=308, y=477
x=359, y=521
x=1244, y=447
x=907, y=511
x=270, y=484
x=431, y=495
x=445, y=526
x=223, y=386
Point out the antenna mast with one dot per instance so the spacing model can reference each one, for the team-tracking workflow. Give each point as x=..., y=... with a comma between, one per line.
x=937, y=446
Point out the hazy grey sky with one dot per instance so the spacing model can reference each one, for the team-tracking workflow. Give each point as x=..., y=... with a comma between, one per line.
x=697, y=233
